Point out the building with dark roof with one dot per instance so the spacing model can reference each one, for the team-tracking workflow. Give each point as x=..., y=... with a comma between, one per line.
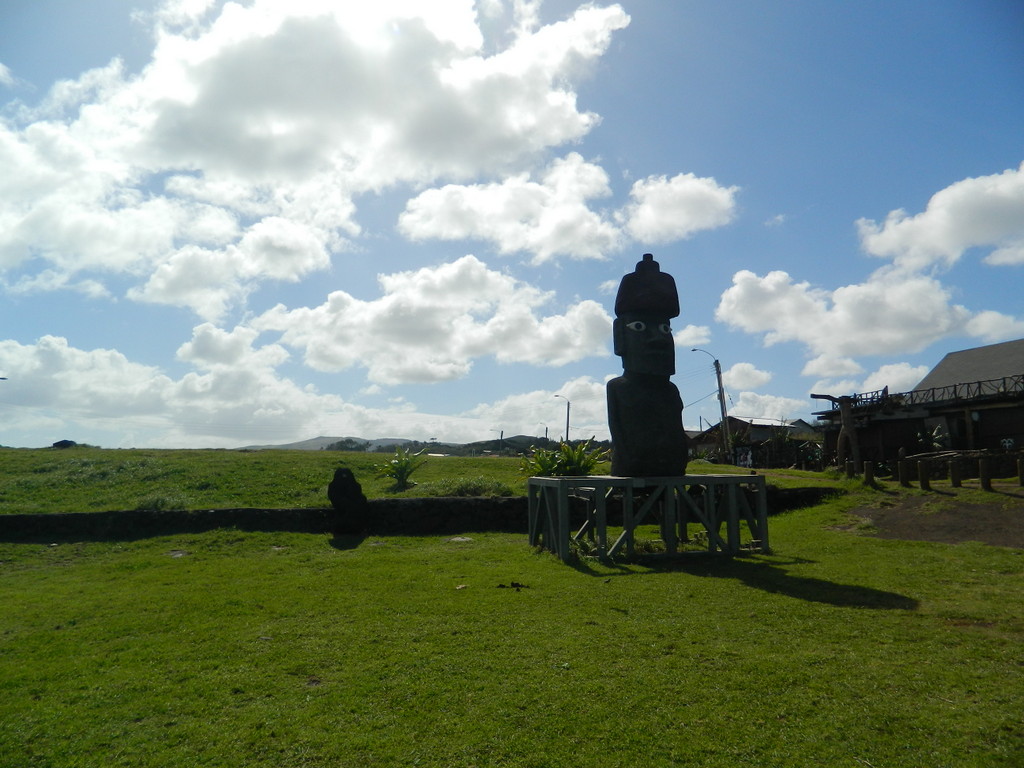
x=758, y=442
x=972, y=400
x=996, y=361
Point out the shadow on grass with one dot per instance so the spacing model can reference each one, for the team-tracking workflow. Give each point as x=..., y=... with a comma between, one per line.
x=770, y=577
x=345, y=541
x=1016, y=493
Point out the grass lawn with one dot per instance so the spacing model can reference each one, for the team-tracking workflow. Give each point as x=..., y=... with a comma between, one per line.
x=84, y=479
x=231, y=648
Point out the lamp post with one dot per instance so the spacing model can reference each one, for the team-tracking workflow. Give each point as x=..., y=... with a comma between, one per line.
x=501, y=439
x=567, y=406
x=721, y=401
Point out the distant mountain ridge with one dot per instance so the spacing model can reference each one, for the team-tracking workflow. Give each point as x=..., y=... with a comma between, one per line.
x=516, y=442
x=320, y=443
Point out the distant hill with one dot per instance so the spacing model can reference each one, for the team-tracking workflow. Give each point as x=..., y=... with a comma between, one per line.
x=320, y=443
x=516, y=444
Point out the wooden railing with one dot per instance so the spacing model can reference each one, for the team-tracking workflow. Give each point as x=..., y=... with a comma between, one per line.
x=975, y=390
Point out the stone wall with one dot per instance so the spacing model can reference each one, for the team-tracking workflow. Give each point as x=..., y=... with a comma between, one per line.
x=385, y=517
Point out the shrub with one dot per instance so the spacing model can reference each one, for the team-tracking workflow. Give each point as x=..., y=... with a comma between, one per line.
x=465, y=486
x=565, y=461
x=161, y=503
x=400, y=467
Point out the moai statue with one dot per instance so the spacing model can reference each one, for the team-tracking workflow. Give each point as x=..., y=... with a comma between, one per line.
x=645, y=412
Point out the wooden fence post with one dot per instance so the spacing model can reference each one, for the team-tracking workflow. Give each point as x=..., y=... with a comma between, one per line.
x=903, y=467
x=869, y=473
x=954, y=473
x=984, y=474
x=923, y=477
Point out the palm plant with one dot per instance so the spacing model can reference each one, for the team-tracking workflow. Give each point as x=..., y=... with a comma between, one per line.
x=567, y=460
x=400, y=467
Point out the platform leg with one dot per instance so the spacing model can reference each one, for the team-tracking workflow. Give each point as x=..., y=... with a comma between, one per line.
x=533, y=514
x=601, y=502
x=562, y=534
x=732, y=518
x=670, y=515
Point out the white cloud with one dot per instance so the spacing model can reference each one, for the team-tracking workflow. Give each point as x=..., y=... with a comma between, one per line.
x=528, y=413
x=550, y=217
x=547, y=218
x=835, y=387
x=242, y=147
x=239, y=399
x=431, y=323
x=691, y=336
x=902, y=307
x=992, y=326
x=212, y=347
x=52, y=280
x=666, y=209
x=891, y=313
x=983, y=212
x=829, y=365
x=208, y=281
x=1010, y=255
x=745, y=376
x=199, y=278
x=181, y=14
x=898, y=377
x=100, y=381
x=754, y=406
x=238, y=394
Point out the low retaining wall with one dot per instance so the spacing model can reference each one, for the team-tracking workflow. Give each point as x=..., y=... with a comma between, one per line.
x=384, y=517
x=414, y=516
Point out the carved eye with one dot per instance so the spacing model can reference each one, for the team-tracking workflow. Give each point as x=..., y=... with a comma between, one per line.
x=637, y=325
x=665, y=328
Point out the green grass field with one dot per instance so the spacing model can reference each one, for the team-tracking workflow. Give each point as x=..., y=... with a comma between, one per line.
x=86, y=479
x=235, y=648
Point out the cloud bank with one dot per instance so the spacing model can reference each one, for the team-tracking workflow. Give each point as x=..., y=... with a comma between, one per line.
x=903, y=307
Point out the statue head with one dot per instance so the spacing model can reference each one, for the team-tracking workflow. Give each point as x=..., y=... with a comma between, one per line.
x=644, y=307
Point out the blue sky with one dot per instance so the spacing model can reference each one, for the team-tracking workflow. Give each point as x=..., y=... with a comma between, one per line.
x=258, y=222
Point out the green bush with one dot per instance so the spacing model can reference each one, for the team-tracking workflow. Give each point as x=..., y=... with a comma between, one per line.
x=567, y=460
x=400, y=467
x=161, y=503
x=465, y=486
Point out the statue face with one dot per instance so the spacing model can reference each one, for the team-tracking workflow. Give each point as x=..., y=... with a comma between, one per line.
x=644, y=342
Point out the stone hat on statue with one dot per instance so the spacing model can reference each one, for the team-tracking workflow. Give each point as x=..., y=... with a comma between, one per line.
x=647, y=290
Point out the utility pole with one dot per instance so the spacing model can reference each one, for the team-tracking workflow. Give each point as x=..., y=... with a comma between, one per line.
x=567, y=406
x=726, y=438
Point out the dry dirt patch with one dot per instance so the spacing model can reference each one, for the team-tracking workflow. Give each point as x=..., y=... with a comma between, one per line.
x=920, y=518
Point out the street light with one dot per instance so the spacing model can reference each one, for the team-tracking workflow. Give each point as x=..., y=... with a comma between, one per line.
x=721, y=401
x=567, y=406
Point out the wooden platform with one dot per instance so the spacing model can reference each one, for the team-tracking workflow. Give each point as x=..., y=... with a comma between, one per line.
x=709, y=500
